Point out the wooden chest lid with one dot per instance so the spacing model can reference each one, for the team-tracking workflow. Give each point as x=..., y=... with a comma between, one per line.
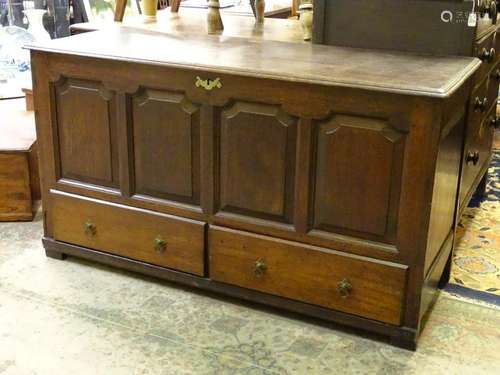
x=396, y=72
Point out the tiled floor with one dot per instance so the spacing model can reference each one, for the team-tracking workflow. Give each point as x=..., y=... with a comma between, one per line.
x=76, y=317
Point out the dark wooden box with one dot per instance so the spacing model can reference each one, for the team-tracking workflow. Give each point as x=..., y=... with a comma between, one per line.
x=423, y=26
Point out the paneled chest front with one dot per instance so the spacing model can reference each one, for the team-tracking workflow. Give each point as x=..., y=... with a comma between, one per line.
x=318, y=179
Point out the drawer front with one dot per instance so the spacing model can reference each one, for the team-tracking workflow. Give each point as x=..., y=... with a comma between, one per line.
x=497, y=40
x=493, y=82
x=479, y=104
x=477, y=152
x=485, y=49
x=142, y=235
x=351, y=284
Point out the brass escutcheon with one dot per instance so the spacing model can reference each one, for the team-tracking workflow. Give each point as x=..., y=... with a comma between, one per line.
x=208, y=84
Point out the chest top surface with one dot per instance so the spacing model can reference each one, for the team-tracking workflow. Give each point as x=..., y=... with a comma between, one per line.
x=396, y=72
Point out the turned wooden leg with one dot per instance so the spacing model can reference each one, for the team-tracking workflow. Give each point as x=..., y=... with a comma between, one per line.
x=55, y=254
x=175, y=6
x=120, y=10
x=214, y=20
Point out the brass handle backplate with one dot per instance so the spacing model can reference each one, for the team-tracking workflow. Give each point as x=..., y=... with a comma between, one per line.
x=493, y=53
x=260, y=268
x=90, y=228
x=344, y=288
x=160, y=245
x=472, y=157
x=495, y=122
x=487, y=55
x=480, y=105
x=208, y=84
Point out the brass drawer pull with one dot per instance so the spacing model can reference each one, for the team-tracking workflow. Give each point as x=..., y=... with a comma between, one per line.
x=90, y=229
x=493, y=11
x=487, y=55
x=160, y=245
x=493, y=53
x=480, y=105
x=260, y=268
x=488, y=7
x=208, y=84
x=495, y=122
x=472, y=157
x=344, y=288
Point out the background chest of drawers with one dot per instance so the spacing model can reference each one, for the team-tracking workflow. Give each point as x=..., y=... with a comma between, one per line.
x=482, y=118
x=438, y=28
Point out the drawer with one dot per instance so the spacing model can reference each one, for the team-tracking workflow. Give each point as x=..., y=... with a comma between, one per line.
x=493, y=82
x=477, y=152
x=485, y=49
x=351, y=284
x=479, y=104
x=497, y=39
x=142, y=235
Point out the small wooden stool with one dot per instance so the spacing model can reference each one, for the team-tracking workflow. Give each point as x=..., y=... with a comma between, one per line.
x=19, y=179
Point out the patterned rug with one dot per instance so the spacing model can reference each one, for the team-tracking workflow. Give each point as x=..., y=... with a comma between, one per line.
x=476, y=263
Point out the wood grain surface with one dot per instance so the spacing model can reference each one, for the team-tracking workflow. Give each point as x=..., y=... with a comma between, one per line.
x=308, y=274
x=437, y=76
x=129, y=232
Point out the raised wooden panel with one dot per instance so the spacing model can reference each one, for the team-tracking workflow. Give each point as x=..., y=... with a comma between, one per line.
x=257, y=161
x=166, y=142
x=358, y=172
x=86, y=132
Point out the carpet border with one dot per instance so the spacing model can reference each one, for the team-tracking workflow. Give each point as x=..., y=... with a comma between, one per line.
x=473, y=294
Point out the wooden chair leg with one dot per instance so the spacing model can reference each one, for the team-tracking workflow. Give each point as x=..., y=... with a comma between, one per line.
x=295, y=7
x=175, y=6
x=120, y=10
x=252, y=5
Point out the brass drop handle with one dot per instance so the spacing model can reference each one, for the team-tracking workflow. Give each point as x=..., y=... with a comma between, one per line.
x=344, y=287
x=482, y=7
x=480, y=105
x=472, y=157
x=493, y=53
x=487, y=55
x=493, y=11
x=496, y=73
x=208, y=84
x=495, y=122
x=160, y=245
x=260, y=268
x=90, y=228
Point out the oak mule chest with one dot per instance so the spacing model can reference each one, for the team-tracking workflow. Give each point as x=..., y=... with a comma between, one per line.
x=322, y=180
